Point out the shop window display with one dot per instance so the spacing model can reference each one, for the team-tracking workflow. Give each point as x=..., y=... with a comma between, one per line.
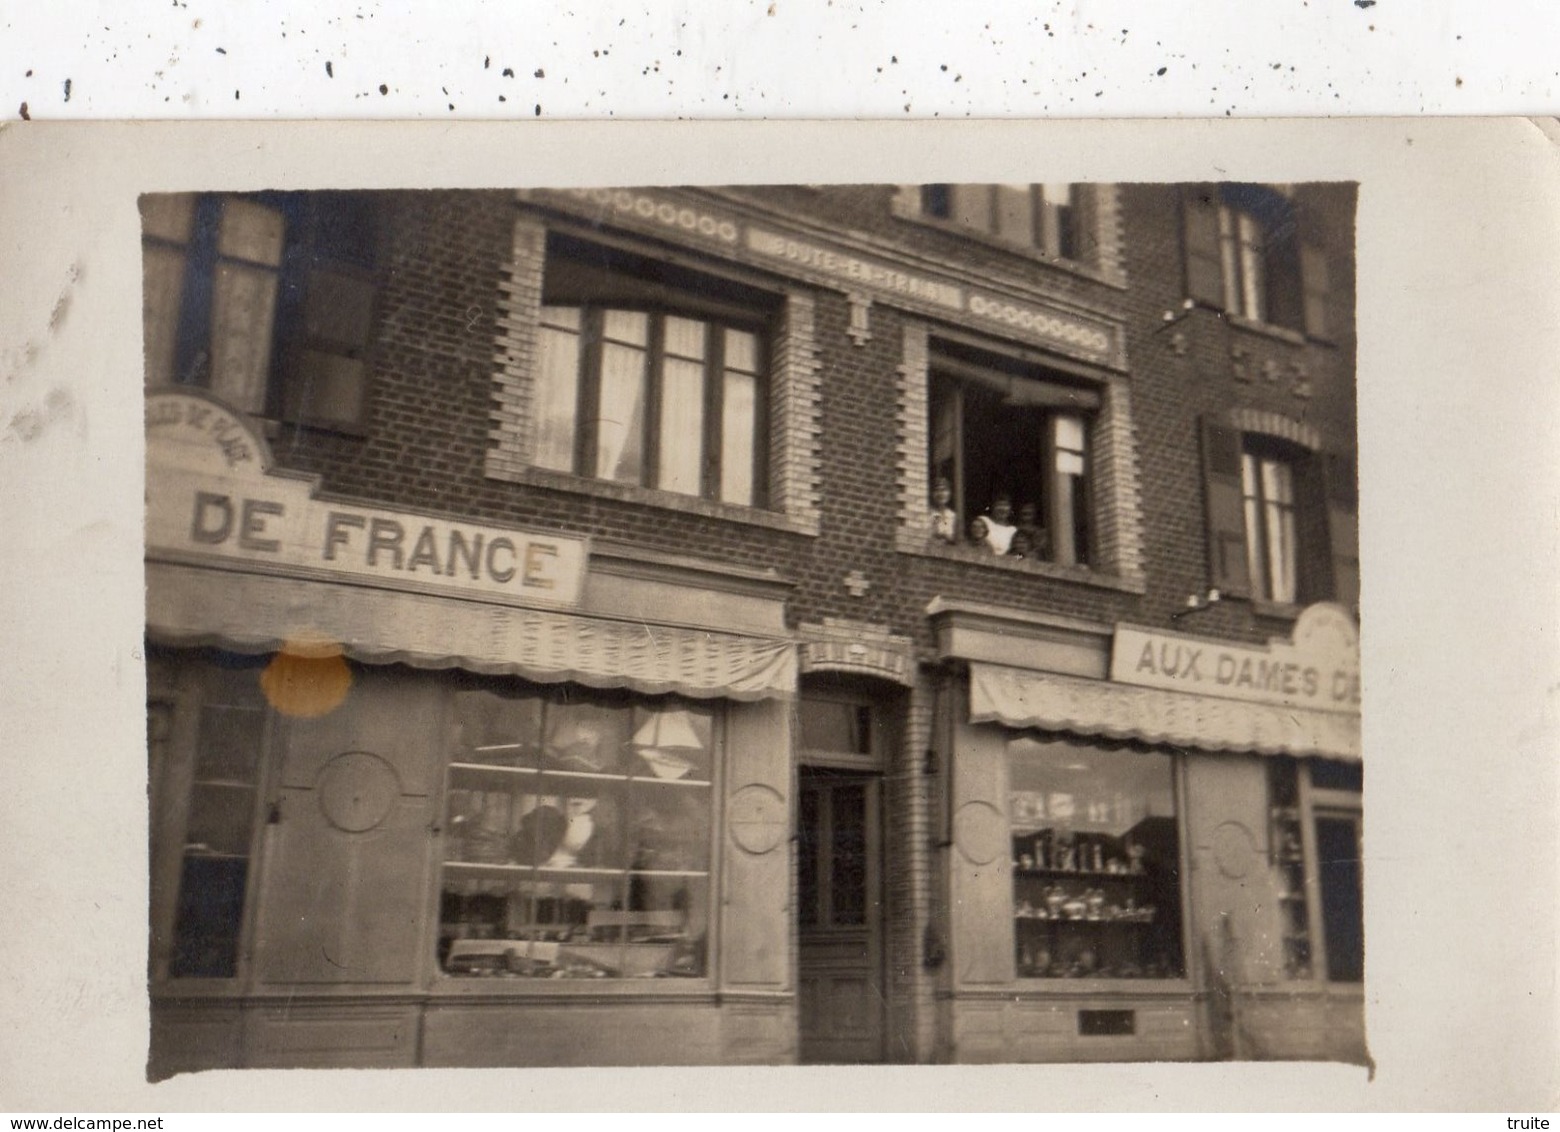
x=1316, y=850
x=577, y=838
x=1096, y=862
x=215, y=869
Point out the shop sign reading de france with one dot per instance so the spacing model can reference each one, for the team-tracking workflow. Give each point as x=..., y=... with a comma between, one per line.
x=213, y=497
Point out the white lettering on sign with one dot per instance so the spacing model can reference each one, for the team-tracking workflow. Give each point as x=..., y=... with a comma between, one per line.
x=842, y=265
x=211, y=496
x=1318, y=669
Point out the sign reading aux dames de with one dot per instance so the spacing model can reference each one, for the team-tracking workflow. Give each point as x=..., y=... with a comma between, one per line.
x=212, y=495
x=1318, y=669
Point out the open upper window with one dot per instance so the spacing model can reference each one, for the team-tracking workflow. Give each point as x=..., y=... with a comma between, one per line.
x=266, y=300
x=1010, y=440
x=651, y=374
x=1281, y=518
x=1045, y=217
x=1246, y=254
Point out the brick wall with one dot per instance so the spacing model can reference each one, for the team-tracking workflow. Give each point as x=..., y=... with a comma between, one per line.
x=457, y=261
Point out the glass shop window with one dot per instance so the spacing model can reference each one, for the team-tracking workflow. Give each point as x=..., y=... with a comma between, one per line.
x=1316, y=848
x=223, y=801
x=577, y=837
x=1096, y=862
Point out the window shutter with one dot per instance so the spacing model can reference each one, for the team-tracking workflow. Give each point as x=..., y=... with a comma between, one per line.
x=1286, y=297
x=1343, y=528
x=1225, y=509
x=1313, y=273
x=1200, y=245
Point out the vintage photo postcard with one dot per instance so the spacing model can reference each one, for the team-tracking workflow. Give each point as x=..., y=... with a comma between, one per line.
x=762, y=602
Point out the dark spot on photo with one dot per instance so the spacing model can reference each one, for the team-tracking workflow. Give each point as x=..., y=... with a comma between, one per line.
x=383, y=89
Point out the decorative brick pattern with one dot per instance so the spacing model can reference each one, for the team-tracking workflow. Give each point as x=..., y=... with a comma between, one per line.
x=1105, y=202
x=513, y=436
x=1119, y=520
x=915, y=492
x=1276, y=424
x=795, y=428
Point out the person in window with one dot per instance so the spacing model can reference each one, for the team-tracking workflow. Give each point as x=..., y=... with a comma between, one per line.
x=980, y=533
x=999, y=528
x=945, y=520
x=1029, y=525
x=1021, y=546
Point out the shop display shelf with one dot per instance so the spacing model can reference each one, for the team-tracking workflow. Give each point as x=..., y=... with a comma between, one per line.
x=478, y=870
x=1103, y=921
x=1076, y=874
x=526, y=777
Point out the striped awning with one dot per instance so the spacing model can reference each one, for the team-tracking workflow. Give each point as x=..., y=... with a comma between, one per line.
x=260, y=613
x=1021, y=698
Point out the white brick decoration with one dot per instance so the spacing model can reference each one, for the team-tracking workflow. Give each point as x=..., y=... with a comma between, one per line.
x=512, y=435
x=1276, y=424
x=914, y=435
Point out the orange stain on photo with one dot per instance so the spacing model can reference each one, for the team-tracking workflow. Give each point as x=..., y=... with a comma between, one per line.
x=308, y=678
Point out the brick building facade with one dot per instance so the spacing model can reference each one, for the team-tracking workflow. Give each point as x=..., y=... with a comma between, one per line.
x=556, y=658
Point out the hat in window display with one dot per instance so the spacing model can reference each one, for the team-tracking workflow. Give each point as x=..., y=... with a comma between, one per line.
x=577, y=833
x=539, y=833
x=667, y=742
x=586, y=738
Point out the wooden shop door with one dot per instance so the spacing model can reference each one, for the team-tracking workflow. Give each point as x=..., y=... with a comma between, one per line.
x=840, y=916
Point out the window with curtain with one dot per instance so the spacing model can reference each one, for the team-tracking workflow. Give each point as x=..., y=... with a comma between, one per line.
x=1282, y=522
x=1246, y=254
x=653, y=375
x=1041, y=216
x=266, y=300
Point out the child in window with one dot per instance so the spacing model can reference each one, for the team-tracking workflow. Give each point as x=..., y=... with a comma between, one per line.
x=1029, y=524
x=999, y=531
x=945, y=520
x=980, y=533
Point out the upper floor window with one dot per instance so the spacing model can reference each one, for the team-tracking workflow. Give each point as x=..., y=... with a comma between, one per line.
x=1010, y=455
x=649, y=374
x=1281, y=518
x=1268, y=489
x=266, y=300
x=1245, y=255
x=1038, y=216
